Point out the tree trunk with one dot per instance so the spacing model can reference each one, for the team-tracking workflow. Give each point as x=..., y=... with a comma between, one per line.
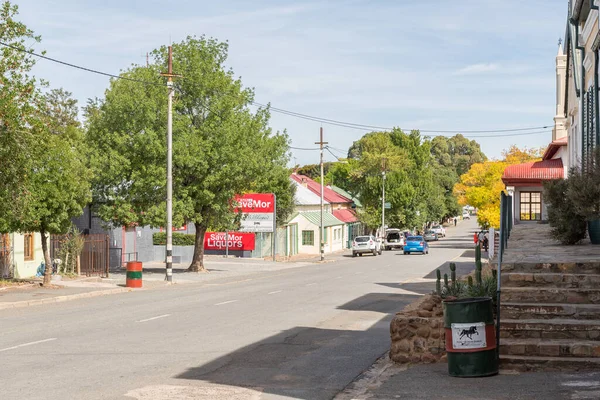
x=47, y=261
x=197, y=264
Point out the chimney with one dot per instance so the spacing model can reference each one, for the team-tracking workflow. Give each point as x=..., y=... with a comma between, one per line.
x=304, y=183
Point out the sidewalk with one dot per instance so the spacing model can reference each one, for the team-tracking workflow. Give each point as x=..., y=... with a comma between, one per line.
x=386, y=380
x=219, y=268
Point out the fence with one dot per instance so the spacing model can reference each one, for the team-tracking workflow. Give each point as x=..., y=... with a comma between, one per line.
x=6, y=257
x=286, y=242
x=506, y=224
x=94, y=258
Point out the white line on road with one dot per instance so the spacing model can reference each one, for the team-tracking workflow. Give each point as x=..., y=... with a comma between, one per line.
x=225, y=302
x=277, y=291
x=311, y=284
x=153, y=318
x=28, y=344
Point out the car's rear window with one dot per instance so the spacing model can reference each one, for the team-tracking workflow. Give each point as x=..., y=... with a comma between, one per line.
x=430, y=232
x=435, y=227
x=414, y=238
x=361, y=239
x=393, y=235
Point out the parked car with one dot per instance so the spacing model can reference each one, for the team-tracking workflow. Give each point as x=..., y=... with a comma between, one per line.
x=394, y=239
x=416, y=244
x=466, y=215
x=366, y=244
x=430, y=235
x=440, y=230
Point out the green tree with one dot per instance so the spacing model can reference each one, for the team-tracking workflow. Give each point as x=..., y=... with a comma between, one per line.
x=220, y=148
x=456, y=152
x=17, y=111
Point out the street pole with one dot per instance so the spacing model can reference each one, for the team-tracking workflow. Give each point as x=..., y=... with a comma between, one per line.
x=169, y=250
x=383, y=199
x=321, y=228
x=274, y=227
x=226, y=243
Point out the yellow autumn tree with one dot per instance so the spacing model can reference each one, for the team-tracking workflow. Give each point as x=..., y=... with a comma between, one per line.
x=481, y=186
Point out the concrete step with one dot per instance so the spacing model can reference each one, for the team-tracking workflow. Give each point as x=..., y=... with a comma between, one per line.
x=544, y=279
x=550, y=347
x=550, y=329
x=565, y=268
x=529, y=363
x=530, y=294
x=549, y=311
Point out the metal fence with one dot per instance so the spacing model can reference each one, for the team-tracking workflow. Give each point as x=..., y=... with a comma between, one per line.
x=94, y=258
x=6, y=257
x=506, y=224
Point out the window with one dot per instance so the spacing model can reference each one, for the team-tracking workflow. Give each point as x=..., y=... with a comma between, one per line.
x=28, y=246
x=531, y=206
x=325, y=235
x=308, y=238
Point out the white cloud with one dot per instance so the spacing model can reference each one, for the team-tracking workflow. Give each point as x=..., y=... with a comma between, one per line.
x=475, y=69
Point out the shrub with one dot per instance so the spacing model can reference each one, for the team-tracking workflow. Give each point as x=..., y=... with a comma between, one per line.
x=179, y=239
x=567, y=225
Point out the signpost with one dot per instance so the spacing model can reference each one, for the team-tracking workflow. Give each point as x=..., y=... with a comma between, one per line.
x=258, y=211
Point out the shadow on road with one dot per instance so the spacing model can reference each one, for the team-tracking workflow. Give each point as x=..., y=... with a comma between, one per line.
x=310, y=362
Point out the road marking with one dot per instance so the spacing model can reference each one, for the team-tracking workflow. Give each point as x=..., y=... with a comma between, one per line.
x=311, y=284
x=28, y=344
x=225, y=302
x=153, y=318
x=277, y=291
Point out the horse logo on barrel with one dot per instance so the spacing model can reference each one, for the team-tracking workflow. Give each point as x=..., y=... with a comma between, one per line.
x=469, y=332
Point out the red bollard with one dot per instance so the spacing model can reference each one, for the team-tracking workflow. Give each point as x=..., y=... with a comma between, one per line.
x=134, y=274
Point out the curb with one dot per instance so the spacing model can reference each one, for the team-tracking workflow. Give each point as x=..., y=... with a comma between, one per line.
x=60, y=299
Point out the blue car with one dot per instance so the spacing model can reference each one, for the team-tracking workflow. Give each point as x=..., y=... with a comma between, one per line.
x=416, y=244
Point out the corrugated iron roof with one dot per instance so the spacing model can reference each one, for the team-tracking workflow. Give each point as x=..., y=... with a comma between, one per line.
x=534, y=171
x=314, y=217
x=315, y=187
x=344, y=193
x=554, y=146
x=305, y=197
x=345, y=215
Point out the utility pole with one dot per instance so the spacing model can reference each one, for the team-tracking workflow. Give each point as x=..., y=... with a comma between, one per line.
x=321, y=230
x=169, y=252
x=383, y=197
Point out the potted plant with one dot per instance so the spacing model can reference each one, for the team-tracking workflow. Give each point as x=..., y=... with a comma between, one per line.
x=584, y=193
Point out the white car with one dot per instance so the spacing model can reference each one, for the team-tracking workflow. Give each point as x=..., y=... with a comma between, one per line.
x=394, y=239
x=366, y=244
x=440, y=230
x=466, y=215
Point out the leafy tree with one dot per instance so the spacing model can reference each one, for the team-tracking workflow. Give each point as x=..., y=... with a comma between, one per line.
x=481, y=186
x=313, y=171
x=456, y=152
x=220, y=148
x=17, y=111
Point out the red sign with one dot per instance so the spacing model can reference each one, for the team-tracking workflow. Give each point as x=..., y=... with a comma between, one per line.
x=237, y=241
x=255, y=203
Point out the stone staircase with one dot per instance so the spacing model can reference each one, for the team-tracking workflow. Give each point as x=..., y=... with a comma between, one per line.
x=550, y=316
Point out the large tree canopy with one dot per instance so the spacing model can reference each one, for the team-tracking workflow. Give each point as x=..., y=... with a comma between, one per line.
x=220, y=147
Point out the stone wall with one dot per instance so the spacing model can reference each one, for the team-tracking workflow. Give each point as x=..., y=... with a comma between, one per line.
x=418, y=332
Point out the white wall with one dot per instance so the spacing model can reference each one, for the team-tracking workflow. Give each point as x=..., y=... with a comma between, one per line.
x=331, y=245
x=27, y=269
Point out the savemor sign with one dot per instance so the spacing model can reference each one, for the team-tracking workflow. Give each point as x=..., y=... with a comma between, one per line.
x=258, y=211
x=232, y=240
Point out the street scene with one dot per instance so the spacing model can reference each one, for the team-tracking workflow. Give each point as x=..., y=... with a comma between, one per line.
x=265, y=200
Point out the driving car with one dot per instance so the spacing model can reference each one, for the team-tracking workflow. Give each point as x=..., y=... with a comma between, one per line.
x=430, y=235
x=366, y=244
x=466, y=215
x=416, y=244
x=394, y=239
x=440, y=230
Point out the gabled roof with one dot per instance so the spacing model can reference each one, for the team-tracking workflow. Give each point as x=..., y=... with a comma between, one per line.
x=315, y=187
x=554, y=146
x=314, y=217
x=345, y=215
x=534, y=172
x=305, y=197
x=341, y=191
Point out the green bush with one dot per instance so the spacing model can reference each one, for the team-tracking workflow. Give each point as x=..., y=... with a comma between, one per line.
x=179, y=239
x=567, y=225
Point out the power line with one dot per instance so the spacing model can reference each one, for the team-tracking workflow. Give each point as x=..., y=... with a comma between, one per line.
x=79, y=67
x=330, y=152
x=304, y=148
x=344, y=124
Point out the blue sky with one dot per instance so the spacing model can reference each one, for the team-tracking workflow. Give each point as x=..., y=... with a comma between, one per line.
x=427, y=64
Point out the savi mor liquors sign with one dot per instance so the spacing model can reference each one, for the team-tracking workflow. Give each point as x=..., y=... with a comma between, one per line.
x=258, y=212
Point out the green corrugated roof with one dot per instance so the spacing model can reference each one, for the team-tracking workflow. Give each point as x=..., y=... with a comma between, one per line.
x=344, y=193
x=314, y=217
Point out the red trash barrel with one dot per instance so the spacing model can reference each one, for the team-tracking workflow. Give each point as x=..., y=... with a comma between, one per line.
x=134, y=274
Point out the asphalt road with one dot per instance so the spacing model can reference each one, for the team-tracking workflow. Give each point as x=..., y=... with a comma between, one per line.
x=301, y=333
